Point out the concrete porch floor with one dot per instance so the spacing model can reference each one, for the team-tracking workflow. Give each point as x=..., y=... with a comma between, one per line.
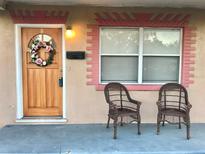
x=96, y=139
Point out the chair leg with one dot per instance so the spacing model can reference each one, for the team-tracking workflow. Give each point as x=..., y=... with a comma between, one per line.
x=159, y=117
x=115, y=128
x=180, y=123
x=108, y=122
x=163, y=120
x=121, y=118
x=138, y=124
x=188, y=127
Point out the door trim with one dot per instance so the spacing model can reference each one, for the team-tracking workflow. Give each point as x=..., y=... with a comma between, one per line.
x=19, y=75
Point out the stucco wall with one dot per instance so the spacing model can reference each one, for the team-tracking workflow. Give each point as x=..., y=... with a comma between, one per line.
x=7, y=69
x=84, y=103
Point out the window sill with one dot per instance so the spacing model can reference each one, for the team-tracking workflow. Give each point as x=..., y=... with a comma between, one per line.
x=133, y=87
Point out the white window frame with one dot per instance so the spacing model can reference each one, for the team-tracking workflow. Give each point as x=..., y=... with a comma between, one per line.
x=140, y=54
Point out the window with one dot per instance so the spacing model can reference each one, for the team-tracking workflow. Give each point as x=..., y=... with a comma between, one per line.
x=140, y=55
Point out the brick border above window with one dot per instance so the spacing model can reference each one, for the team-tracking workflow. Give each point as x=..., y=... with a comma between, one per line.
x=38, y=16
x=169, y=20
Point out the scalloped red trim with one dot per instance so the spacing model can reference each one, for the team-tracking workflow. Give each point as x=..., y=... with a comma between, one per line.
x=38, y=16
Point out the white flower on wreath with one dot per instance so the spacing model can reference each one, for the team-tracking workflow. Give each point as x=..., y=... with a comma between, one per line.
x=44, y=63
x=33, y=56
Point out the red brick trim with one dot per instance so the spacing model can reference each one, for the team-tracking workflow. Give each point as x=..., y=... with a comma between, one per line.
x=188, y=55
x=93, y=57
x=141, y=20
x=38, y=16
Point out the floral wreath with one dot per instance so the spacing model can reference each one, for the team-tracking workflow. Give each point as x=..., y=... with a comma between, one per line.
x=34, y=48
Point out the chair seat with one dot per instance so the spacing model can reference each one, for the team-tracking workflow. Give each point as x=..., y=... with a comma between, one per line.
x=173, y=112
x=124, y=111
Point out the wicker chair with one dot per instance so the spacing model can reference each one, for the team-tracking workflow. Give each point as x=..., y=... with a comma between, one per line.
x=173, y=101
x=121, y=105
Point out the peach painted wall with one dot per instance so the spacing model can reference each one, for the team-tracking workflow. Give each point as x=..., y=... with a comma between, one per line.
x=84, y=103
x=7, y=69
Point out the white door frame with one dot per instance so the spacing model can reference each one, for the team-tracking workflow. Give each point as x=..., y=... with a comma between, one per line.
x=19, y=78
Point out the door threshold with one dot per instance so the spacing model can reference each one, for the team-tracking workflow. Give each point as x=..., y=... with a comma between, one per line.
x=43, y=117
x=41, y=120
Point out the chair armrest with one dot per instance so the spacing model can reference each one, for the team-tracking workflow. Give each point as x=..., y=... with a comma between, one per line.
x=112, y=106
x=159, y=104
x=113, y=109
x=138, y=103
x=189, y=106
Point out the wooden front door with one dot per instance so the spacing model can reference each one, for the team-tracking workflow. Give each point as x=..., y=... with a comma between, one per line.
x=42, y=94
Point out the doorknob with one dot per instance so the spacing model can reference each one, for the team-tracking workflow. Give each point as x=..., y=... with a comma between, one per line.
x=60, y=82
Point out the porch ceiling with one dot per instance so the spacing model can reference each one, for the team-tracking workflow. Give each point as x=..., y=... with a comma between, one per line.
x=119, y=3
